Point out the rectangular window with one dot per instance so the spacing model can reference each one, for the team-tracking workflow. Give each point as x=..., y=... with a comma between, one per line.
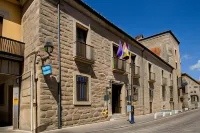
x=2, y=94
x=196, y=87
x=176, y=65
x=163, y=93
x=183, y=90
x=1, y=25
x=81, y=33
x=82, y=89
x=171, y=93
x=149, y=69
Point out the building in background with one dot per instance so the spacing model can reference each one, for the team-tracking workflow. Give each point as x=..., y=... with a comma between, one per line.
x=11, y=59
x=166, y=46
x=191, y=92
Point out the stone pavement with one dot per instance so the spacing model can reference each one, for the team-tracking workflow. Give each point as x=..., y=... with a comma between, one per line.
x=10, y=130
x=103, y=125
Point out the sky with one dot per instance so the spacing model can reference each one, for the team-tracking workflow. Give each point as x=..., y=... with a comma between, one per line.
x=150, y=17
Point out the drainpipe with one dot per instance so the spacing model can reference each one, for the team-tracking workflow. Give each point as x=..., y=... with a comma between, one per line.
x=143, y=76
x=59, y=70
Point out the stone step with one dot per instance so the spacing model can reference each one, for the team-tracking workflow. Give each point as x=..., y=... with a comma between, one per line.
x=118, y=117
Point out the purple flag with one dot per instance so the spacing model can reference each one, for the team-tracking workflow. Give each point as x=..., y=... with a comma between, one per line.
x=119, y=51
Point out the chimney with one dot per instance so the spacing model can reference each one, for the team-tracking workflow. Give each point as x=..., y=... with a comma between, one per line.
x=139, y=37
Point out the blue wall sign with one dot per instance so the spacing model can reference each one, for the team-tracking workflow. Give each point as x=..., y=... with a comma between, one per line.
x=46, y=70
x=128, y=108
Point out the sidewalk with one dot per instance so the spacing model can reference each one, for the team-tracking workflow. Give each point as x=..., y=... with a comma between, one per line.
x=103, y=125
x=9, y=129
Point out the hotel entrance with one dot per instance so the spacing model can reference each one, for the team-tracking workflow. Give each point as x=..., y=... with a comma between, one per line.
x=116, y=99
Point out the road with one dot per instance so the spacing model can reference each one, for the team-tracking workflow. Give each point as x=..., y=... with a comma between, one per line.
x=188, y=122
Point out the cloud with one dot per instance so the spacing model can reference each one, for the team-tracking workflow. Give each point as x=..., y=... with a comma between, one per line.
x=196, y=66
x=186, y=57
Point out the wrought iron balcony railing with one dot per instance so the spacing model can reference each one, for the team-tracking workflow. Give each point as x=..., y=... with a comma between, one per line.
x=11, y=46
x=120, y=65
x=135, y=71
x=84, y=52
x=152, y=77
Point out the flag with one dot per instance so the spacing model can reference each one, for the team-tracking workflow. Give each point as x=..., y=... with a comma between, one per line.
x=120, y=50
x=126, y=53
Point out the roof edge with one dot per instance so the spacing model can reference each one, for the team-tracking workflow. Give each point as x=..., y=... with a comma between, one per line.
x=185, y=74
x=120, y=30
x=168, y=31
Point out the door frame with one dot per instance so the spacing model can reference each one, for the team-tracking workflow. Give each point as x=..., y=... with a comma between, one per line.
x=123, y=96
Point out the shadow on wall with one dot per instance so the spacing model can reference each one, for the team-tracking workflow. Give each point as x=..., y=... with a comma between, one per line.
x=52, y=85
x=86, y=69
x=53, y=88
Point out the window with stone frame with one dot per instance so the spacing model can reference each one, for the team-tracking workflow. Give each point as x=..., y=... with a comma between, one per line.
x=171, y=93
x=81, y=33
x=196, y=87
x=82, y=89
x=163, y=93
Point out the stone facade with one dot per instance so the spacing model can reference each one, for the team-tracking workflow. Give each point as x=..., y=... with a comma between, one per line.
x=191, y=89
x=169, y=51
x=39, y=24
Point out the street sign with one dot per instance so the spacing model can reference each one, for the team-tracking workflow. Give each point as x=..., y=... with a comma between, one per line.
x=128, y=108
x=46, y=70
x=106, y=97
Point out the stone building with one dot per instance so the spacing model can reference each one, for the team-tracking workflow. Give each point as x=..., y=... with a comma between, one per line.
x=95, y=85
x=166, y=46
x=191, y=92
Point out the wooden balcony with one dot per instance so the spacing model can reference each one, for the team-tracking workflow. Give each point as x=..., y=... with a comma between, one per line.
x=135, y=71
x=120, y=66
x=10, y=48
x=83, y=53
x=152, y=77
x=164, y=81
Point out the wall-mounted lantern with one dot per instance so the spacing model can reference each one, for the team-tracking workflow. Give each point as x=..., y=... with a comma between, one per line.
x=48, y=47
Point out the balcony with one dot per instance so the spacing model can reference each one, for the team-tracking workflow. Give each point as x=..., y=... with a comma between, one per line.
x=164, y=81
x=120, y=66
x=171, y=84
x=135, y=71
x=83, y=53
x=10, y=48
x=152, y=77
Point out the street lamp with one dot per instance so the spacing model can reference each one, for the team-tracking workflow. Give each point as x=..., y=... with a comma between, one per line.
x=48, y=47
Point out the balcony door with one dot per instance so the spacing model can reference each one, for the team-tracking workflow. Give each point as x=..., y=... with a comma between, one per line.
x=81, y=37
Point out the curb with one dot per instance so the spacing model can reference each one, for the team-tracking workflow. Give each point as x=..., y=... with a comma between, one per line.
x=107, y=129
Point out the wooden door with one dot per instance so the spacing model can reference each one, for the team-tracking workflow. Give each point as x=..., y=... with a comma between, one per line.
x=150, y=107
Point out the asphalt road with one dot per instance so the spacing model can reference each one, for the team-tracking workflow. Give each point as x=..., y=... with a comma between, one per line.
x=188, y=122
